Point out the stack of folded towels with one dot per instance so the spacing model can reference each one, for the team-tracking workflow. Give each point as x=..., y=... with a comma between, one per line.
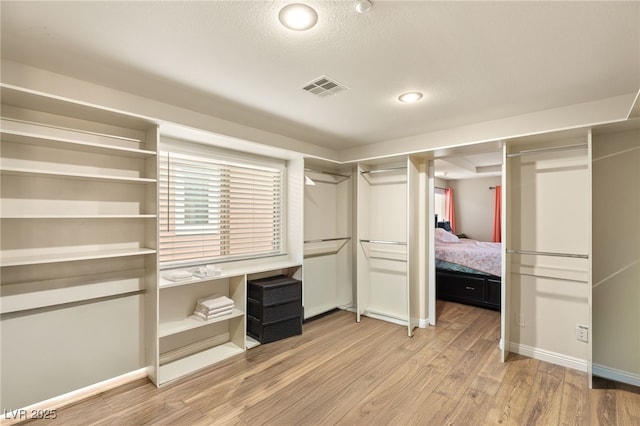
x=213, y=306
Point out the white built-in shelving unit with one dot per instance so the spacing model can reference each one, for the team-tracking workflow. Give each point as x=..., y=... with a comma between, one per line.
x=182, y=344
x=80, y=279
x=78, y=244
x=186, y=344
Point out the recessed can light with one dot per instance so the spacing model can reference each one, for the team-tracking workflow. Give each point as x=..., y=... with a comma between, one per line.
x=410, y=97
x=298, y=16
x=363, y=6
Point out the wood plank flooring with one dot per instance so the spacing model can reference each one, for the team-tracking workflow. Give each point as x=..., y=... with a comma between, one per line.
x=341, y=372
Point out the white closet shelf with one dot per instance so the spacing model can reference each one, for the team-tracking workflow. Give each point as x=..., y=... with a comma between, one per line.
x=39, y=101
x=189, y=349
x=79, y=244
x=226, y=272
x=174, y=327
x=72, y=144
x=189, y=364
x=35, y=259
x=34, y=295
x=81, y=176
x=80, y=216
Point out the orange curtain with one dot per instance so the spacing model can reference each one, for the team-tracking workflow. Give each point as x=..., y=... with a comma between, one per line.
x=497, y=215
x=449, y=209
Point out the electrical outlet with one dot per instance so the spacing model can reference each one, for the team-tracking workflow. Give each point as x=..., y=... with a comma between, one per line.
x=520, y=319
x=582, y=333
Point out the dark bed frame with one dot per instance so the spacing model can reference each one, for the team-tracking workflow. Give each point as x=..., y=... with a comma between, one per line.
x=467, y=288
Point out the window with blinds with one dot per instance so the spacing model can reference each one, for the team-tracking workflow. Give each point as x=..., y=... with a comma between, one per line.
x=214, y=209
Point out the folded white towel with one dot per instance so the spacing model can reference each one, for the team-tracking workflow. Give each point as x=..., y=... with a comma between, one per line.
x=178, y=275
x=215, y=301
x=200, y=316
x=204, y=311
x=206, y=271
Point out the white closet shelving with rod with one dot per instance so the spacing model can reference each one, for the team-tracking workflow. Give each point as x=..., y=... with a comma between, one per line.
x=327, y=283
x=382, y=249
x=78, y=245
x=548, y=245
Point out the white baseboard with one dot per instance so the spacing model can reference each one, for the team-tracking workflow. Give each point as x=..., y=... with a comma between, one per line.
x=423, y=323
x=548, y=356
x=616, y=375
x=52, y=404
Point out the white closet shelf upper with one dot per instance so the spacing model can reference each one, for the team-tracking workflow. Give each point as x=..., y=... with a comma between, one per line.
x=35, y=139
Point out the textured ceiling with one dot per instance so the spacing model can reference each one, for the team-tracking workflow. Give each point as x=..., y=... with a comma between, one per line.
x=474, y=61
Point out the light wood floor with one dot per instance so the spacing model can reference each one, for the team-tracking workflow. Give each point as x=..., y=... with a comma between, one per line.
x=340, y=372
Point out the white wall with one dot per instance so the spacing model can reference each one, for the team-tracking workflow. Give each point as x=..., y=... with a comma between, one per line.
x=616, y=255
x=474, y=203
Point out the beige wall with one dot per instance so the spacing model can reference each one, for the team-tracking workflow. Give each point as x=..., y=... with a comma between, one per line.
x=474, y=206
x=616, y=254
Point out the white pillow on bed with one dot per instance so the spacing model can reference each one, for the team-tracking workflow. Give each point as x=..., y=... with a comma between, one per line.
x=443, y=236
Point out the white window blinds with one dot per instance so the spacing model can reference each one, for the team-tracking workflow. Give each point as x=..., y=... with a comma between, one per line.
x=214, y=209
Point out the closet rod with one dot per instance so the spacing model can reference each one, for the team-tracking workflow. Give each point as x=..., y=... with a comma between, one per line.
x=327, y=173
x=539, y=150
x=546, y=253
x=396, y=243
x=365, y=172
x=322, y=240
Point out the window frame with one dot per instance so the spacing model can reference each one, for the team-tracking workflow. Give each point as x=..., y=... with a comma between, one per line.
x=229, y=159
x=439, y=192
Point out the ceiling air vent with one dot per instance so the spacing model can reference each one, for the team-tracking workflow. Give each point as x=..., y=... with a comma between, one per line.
x=323, y=87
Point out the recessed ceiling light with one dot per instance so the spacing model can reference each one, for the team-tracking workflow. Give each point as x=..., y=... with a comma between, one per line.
x=410, y=97
x=298, y=16
x=363, y=6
